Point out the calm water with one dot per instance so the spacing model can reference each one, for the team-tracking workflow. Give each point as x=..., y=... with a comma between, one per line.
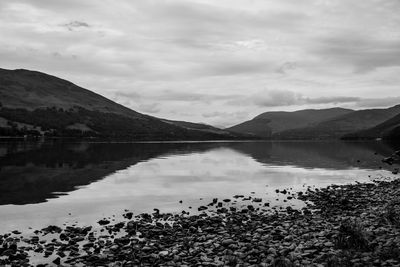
x=56, y=182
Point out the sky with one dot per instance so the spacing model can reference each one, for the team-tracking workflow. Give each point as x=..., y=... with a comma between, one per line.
x=219, y=62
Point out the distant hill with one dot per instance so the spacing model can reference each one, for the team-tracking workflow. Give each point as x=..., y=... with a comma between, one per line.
x=200, y=126
x=389, y=129
x=253, y=127
x=34, y=103
x=341, y=125
x=270, y=123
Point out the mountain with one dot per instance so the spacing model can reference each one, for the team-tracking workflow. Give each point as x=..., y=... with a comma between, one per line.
x=269, y=123
x=341, y=125
x=253, y=127
x=35, y=103
x=389, y=129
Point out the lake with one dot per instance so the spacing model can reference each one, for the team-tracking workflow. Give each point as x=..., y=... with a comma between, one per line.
x=56, y=182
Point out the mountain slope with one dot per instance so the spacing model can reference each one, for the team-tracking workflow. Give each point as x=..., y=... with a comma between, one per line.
x=389, y=129
x=269, y=123
x=253, y=127
x=200, y=127
x=34, y=103
x=342, y=125
x=32, y=90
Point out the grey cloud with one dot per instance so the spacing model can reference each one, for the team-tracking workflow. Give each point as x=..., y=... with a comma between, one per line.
x=166, y=96
x=235, y=67
x=58, y=6
x=214, y=56
x=75, y=24
x=214, y=114
x=286, y=67
x=63, y=64
x=331, y=100
x=281, y=98
x=130, y=95
x=363, y=53
x=285, y=98
x=274, y=98
x=379, y=102
x=149, y=108
x=225, y=119
x=169, y=95
x=207, y=18
x=237, y=114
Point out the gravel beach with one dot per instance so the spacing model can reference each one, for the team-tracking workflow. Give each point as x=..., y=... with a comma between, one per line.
x=346, y=225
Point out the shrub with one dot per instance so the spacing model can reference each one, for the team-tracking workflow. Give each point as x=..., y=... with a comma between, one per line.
x=392, y=212
x=282, y=262
x=342, y=259
x=231, y=260
x=390, y=251
x=352, y=235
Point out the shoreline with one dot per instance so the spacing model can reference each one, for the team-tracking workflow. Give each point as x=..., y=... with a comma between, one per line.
x=342, y=225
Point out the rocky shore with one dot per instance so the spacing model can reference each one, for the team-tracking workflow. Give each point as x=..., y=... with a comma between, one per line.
x=347, y=225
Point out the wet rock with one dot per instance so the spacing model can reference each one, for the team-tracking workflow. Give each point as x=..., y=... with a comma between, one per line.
x=163, y=253
x=103, y=222
x=57, y=261
x=227, y=242
x=52, y=229
x=128, y=215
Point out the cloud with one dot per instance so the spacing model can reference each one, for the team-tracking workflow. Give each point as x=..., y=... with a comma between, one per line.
x=170, y=95
x=149, y=108
x=131, y=95
x=379, y=102
x=235, y=67
x=214, y=114
x=71, y=26
x=286, y=67
x=363, y=53
x=285, y=98
x=331, y=100
x=273, y=98
x=211, y=60
x=225, y=119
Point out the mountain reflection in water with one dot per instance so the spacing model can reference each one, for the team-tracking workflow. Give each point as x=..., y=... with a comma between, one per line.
x=35, y=172
x=52, y=179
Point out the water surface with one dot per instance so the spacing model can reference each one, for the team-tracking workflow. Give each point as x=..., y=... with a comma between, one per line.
x=46, y=183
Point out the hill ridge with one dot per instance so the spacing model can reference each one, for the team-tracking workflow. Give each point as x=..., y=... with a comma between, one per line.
x=36, y=103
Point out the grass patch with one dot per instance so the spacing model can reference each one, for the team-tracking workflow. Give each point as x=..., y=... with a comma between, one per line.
x=352, y=235
x=282, y=262
x=392, y=212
